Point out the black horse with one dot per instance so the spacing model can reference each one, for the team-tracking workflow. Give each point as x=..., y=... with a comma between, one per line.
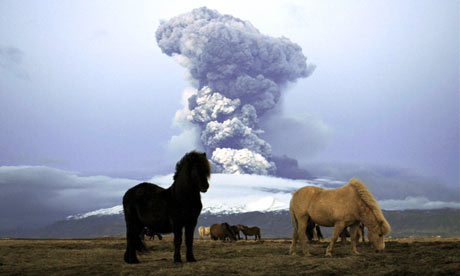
x=167, y=210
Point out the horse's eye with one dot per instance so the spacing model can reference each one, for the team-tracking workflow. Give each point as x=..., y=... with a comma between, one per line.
x=380, y=235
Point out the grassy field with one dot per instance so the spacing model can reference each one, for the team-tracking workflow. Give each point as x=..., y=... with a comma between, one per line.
x=104, y=256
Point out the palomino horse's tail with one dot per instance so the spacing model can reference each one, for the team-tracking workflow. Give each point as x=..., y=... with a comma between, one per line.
x=295, y=224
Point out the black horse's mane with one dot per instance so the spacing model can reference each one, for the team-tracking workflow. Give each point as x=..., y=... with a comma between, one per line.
x=193, y=157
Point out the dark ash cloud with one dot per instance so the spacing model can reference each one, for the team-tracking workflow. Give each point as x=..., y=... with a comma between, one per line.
x=239, y=75
x=11, y=59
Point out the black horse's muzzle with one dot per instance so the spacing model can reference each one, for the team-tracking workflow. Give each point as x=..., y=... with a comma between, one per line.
x=204, y=188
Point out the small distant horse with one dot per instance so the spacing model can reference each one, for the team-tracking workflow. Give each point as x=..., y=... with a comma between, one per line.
x=341, y=207
x=344, y=235
x=236, y=232
x=167, y=210
x=204, y=231
x=151, y=234
x=222, y=232
x=360, y=233
x=313, y=231
x=249, y=231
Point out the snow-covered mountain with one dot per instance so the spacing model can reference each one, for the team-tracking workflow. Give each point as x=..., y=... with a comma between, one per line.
x=235, y=193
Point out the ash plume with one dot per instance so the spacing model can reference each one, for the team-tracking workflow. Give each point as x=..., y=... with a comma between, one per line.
x=239, y=75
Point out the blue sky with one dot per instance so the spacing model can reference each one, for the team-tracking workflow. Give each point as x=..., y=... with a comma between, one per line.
x=85, y=88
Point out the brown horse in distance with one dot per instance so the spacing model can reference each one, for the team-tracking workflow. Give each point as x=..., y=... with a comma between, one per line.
x=221, y=232
x=236, y=232
x=151, y=234
x=250, y=231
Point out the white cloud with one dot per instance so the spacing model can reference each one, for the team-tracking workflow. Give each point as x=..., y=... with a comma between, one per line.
x=416, y=203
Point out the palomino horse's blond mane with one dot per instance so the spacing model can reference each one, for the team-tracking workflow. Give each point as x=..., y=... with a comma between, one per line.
x=370, y=202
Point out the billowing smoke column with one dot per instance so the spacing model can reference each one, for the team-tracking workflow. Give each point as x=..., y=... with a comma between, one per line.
x=239, y=74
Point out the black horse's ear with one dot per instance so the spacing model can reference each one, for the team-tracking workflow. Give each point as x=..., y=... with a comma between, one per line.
x=204, y=154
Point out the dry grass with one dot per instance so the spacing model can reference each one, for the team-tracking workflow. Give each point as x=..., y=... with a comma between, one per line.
x=104, y=256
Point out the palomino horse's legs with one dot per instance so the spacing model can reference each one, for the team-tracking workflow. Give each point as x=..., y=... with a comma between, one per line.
x=354, y=230
x=302, y=234
x=295, y=237
x=338, y=228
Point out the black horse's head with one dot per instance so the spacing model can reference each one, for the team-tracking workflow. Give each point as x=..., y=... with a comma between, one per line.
x=197, y=168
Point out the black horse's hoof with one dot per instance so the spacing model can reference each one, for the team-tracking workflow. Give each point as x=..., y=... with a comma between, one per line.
x=130, y=259
x=177, y=259
x=191, y=259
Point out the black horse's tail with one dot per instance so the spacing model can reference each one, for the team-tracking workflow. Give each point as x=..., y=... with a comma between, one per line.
x=134, y=228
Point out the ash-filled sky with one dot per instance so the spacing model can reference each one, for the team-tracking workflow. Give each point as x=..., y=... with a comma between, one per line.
x=239, y=75
x=90, y=87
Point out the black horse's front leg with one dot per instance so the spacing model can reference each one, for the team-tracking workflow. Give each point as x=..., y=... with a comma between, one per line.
x=177, y=242
x=189, y=230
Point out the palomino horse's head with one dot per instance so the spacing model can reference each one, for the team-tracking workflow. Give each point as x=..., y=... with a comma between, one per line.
x=376, y=235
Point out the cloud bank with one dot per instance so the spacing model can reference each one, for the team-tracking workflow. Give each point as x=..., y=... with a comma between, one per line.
x=36, y=195
x=239, y=75
x=389, y=182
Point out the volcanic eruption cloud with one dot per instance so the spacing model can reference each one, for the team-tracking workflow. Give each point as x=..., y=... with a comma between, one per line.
x=238, y=75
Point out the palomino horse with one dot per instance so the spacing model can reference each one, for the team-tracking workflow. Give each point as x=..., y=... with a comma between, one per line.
x=204, y=231
x=341, y=207
x=167, y=210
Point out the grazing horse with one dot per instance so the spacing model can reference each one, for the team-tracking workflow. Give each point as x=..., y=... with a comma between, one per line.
x=344, y=235
x=341, y=207
x=151, y=234
x=204, y=231
x=222, y=232
x=313, y=231
x=249, y=231
x=167, y=210
x=360, y=233
x=236, y=232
